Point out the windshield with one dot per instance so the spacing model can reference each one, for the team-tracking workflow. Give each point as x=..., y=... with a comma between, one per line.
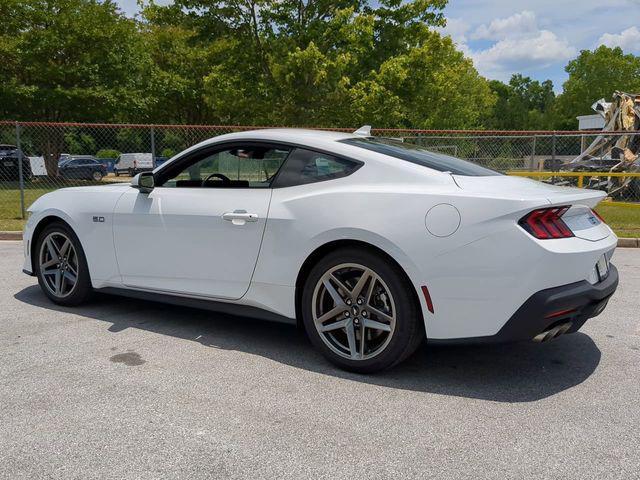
x=420, y=156
x=7, y=149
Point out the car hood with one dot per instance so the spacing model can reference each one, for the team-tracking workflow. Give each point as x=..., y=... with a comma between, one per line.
x=516, y=188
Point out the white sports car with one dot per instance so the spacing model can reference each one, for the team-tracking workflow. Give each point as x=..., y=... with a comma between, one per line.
x=370, y=243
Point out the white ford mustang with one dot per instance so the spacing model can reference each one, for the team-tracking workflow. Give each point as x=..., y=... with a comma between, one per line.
x=370, y=243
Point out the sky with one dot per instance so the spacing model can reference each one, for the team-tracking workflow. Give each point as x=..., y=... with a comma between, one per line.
x=533, y=37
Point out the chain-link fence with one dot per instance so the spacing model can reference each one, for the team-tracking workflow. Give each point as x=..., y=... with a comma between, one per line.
x=37, y=157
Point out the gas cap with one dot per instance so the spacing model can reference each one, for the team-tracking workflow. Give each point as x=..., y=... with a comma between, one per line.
x=442, y=220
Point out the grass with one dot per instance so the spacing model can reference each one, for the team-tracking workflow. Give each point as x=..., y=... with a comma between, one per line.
x=625, y=221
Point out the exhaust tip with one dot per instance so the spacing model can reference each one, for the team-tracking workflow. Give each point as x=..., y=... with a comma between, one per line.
x=553, y=332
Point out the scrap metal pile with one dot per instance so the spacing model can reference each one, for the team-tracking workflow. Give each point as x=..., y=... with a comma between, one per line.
x=612, y=150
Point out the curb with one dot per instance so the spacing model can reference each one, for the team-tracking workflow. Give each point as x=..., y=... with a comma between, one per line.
x=622, y=242
x=629, y=242
x=10, y=235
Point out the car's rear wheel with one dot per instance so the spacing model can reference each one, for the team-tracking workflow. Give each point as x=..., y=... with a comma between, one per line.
x=359, y=310
x=97, y=175
x=61, y=265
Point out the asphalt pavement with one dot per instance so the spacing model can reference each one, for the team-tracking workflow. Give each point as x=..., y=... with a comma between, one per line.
x=124, y=388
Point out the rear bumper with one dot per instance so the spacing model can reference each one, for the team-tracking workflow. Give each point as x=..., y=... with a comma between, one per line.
x=580, y=301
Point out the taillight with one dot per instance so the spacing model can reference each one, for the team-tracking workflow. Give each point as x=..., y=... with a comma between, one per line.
x=546, y=223
x=598, y=216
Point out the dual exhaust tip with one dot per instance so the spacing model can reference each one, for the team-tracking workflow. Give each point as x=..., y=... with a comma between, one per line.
x=553, y=332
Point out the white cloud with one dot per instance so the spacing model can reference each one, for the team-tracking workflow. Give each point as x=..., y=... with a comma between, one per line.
x=534, y=51
x=518, y=45
x=503, y=28
x=628, y=40
x=457, y=29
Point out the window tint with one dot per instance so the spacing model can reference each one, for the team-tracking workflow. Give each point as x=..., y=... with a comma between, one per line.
x=304, y=166
x=421, y=156
x=237, y=167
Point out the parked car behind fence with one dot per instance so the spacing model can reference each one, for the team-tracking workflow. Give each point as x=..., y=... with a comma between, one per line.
x=9, y=162
x=83, y=169
x=133, y=163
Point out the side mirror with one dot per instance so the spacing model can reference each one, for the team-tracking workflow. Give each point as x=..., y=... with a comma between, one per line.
x=143, y=181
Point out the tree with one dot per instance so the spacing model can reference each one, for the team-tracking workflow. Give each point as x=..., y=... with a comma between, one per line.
x=73, y=60
x=593, y=75
x=321, y=63
x=522, y=104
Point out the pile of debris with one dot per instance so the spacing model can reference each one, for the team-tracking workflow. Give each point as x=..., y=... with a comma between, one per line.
x=620, y=152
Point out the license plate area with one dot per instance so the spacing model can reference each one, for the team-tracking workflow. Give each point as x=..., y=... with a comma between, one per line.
x=602, y=267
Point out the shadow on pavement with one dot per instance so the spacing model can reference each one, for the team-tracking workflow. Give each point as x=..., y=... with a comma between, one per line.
x=523, y=372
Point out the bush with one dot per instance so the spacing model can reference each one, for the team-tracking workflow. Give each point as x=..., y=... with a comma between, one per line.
x=107, y=153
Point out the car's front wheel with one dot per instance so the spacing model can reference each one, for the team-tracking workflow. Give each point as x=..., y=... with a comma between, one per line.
x=359, y=310
x=97, y=175
x=61, y=266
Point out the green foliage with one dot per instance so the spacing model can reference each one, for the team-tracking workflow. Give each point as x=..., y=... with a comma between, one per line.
x=593, y=75
x=79, y=143
x=259, y=62
x=69, y=60
x=107, y=153
x=522, y=104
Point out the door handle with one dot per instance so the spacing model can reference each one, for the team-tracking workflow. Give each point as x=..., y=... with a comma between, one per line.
x=240, y=217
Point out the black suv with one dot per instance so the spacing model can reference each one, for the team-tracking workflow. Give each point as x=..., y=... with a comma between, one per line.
x=9, y=164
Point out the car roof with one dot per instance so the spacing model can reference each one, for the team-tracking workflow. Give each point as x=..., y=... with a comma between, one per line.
x=293, y=135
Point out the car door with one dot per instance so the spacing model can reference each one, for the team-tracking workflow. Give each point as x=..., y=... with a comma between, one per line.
x=199, y=231
x=70, y=169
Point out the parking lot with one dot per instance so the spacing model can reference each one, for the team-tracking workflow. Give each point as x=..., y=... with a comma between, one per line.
x=131, y=389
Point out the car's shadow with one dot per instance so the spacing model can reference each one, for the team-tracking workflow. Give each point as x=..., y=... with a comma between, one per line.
x=521, y=372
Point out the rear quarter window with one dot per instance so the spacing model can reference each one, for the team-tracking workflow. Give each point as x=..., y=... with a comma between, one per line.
x=305, y=166
x=420, y=156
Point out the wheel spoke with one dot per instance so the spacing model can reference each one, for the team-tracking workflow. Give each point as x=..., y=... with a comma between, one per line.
x=340, y=284
x=71, y=278
x=372, y=284
x=51, y=271
x=334, y=312
x=335, y=325
x=337, y=299
x=362, y=281
x=51, y=247
x=50, y=263
x=379, y=314
x=351, y=339
x=58, y=283
x=65, y=247
x=376, y=325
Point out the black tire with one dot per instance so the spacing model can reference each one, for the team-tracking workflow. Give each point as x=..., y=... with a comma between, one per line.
x=82, y=289
x=409, y=327
x=96, y=175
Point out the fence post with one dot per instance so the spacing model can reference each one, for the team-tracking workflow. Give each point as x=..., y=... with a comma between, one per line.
x=20, y=173
x=153, y=147
x=533, y=155
x=553, y=151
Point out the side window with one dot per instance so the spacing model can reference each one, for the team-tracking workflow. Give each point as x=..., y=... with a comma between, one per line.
x=238, y=167
x=305, y=166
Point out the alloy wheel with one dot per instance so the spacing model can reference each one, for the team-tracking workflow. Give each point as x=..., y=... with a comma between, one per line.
x=58, y=262
x=353, y=311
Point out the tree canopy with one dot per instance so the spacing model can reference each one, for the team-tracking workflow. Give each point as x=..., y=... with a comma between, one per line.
x=260, y=62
